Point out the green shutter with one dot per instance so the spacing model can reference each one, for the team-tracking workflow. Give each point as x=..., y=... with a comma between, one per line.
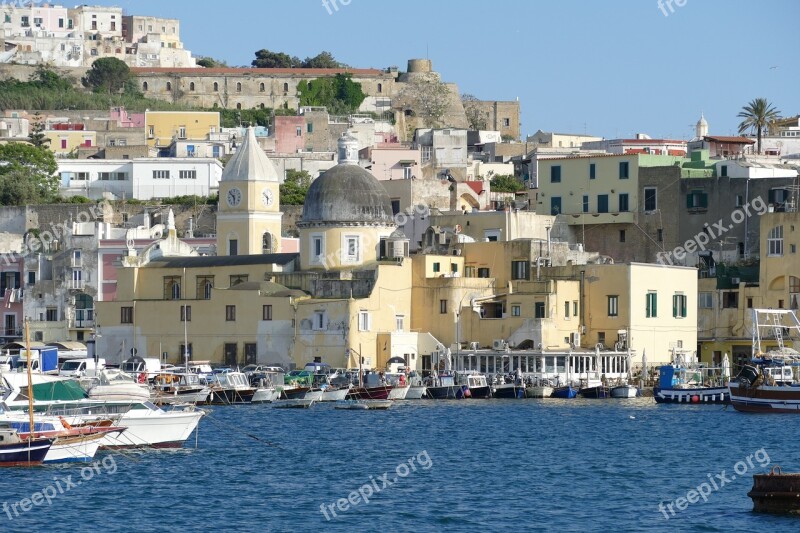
x=647, y=307
x=655, y=304
x=675, y=306
x=703, y=199
x=683, y=306
x=689, y=200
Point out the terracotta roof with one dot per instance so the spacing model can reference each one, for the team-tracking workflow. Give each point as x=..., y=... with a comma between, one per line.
x=651, y=141
x=476, y=186
x=723, y=139
x=199, y=71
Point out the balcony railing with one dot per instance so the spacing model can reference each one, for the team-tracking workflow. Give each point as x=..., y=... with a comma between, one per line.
x=75, y=284
x=12, y=332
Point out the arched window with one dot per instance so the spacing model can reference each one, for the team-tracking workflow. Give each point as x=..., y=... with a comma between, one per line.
x=262, y=106
x=216, y=86
x=380, y=87
x=173, y=289
x=191, y=86
x=285, y=87
x=238, y=106
x=794, y=292
x=238, y=87
x=144, y=87
x=266, y=243
x=775, y=241
x=169, y=86
x=262, y=87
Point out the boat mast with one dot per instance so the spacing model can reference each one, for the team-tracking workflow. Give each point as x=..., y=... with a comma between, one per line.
x=31, y=434
x=185, y=329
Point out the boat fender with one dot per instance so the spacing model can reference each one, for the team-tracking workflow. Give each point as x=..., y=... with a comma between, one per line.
x=142, y=377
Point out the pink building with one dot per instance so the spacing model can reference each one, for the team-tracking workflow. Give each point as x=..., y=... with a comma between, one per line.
x=12, y=270
x=126, y=120
x=290, y=134
x=392, y=161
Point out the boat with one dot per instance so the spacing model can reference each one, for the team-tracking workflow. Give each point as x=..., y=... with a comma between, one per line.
x=229, y=388
x=539, y=388
x=564, y=392
x=269, y=382
x=476, y=383
x=625, y=391
x=293, y=404
x=416, y=388
x=374, y=387
x=595, y=391
x=690, y=383
x=112, y=384
x=169, y=388
x=364, y=405
x=15, y=451
x=768, y=383
x=444, y=387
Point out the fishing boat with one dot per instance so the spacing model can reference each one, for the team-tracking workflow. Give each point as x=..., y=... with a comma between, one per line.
x=595, y=392
x=15, y=451
x=509, y=391
x=444, y=387
x=269, y=383
x=679, y=383
x=625, y=391
x=539, y=388
x=416, y=388
x=564, y=392
x=112, y=384
x=768, y=384
x=170, y=388
x=228, y=388
x=476, y=383
x=373, y=387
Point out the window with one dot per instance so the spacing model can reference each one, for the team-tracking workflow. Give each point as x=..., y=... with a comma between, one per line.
x=161, y=174
x=238, y=87
x=623, y=202
x=25, y=21
x=775, y=241
x=266, y=312
x=622, y=235
x=660, y=235
x=407, y=173
x=187, y=174
x=191, y=86
x=233, y=247
x=230, y=313
x=352, y=249
x=585, y=203
x=186, y=313
x=651, y=308
x=566, y=310
x=601, y=337
x=316, y=249
x=454, y=267
x=516, y=310
x=285, y=88
x=364, y=321
x=216, y=87
x=31, y=278
x=697, y=200
x=299, y=131
x=506, y=122
x=399, y=323
x=705, y=300
x=172, y=287
x=144, y=87
x=310, y=128
x=575, y=308
x=613, y=305
x=730, y=299
x=237, y=279
x=181, y=132
x=520, y=270
x=319, y=321
x=443, y=307
x=679, y=305
x=749, y=303
x=623, y=170
x=794, y=292
x=262, y=87
x=739, y=200
x=204, y=286
x=650, y=194
x=51, y=314
x=723, y=171
x=602, y=203
x=539, y=310
x=126, y=315
x=555, y=174
x=483, y=272
x=555, y=205
x=592, y=171
x=169, y=86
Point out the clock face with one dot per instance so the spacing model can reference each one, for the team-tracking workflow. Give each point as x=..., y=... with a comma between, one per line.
x=234, y=197
x=267, y=197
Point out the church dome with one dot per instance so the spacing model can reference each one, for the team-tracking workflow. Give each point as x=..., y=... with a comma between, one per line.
x=347, y=193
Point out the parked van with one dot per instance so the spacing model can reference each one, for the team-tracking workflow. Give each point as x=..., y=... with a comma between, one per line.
x=78, y=368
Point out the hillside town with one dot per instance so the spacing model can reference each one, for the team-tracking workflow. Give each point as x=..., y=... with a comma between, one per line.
x=240, y=219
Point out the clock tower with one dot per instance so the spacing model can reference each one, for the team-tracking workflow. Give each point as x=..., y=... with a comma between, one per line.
x=249, y=215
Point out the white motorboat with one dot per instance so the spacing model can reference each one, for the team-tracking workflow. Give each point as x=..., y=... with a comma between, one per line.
x=269, y=384
x=399, y=393
x=334, y=394
x=115, y=385
x=624, y=391
x=171, y=388
x=266, y=395
x=538, y=391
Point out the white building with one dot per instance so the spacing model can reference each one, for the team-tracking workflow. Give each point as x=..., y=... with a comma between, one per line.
x=142, y=178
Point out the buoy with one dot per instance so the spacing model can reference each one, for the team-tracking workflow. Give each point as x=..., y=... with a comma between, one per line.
x=695, y=399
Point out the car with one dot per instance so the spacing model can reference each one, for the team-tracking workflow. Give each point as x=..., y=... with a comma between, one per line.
x=249, y=370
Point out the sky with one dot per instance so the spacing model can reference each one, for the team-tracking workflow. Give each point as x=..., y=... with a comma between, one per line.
x=610, y=68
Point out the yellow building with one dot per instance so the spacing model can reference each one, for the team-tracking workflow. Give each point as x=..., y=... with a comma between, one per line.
x=64, y=142
x=249, y=215
x=163, y=127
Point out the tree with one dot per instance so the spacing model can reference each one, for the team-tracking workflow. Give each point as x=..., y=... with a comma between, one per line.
x=46, y=78
x=340, y=94
x=322, y=60
x=266, y=59
x=428, y=97
x=476, y=117
x=210, y=62
x=757, y=115
x=108, y=74
x=506, y=183
x=295, y=187
x=37, y=137
x=27, y=174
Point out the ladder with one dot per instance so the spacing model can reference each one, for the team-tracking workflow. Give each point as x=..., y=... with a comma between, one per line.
x=777, y=329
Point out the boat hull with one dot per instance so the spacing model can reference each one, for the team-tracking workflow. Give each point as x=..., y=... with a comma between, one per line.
x=153, y=429
x=719, y=395
x=480, y=393
x=265, y=395
x=447, y=392
x=538, y=392
x=625, y=391
x=399, y=393
x=565, y=392
x=509, y=392
x=77, y=449
x=25, y=453
x=181, y=396
x=765, y=399
x=599, y=392
x=370, y=393
x=416, y=393
x=226, y=396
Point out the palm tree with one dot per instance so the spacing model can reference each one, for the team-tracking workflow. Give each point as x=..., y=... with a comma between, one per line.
x=757, y=115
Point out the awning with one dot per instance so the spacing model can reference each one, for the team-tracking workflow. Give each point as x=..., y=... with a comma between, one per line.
x=407, y=162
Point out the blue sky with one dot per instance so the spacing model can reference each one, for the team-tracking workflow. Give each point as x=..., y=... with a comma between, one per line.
x=611, y=68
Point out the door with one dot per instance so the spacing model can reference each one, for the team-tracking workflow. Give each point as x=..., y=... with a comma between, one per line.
x=10, y=325
x=250, y=353
x=230, y=354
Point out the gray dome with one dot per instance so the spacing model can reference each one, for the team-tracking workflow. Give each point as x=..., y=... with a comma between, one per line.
x=347, y=193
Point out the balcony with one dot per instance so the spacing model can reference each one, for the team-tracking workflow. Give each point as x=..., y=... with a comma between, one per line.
x=76, y=262
x=624, y=217
x=12, y=332
x=75, y=284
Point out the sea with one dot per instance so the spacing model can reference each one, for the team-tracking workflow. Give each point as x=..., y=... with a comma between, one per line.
x=469, y=465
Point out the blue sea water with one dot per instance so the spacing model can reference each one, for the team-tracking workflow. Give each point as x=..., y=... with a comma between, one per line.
x=494, y=465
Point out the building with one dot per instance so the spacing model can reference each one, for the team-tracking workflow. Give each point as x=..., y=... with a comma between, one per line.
x=642, y=144
x=67, y=138
x=720, y=146
x=141, y=179
x=391, y=161
x=443, y=152
x=164, y=127
x=547, y=139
